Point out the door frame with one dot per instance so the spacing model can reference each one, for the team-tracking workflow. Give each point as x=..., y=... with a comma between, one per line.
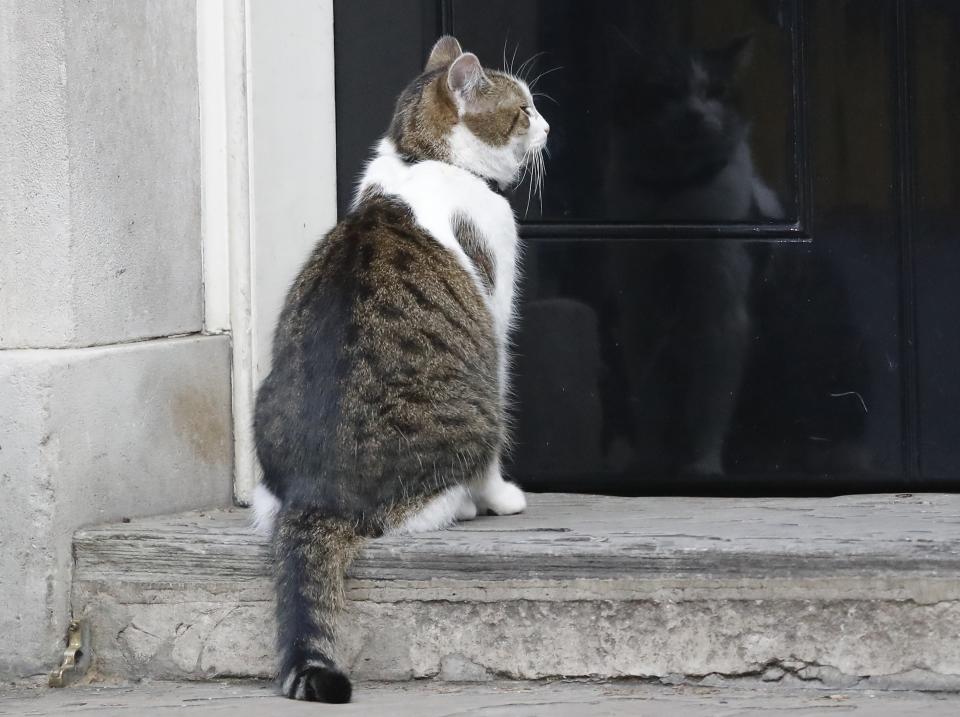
x=266, y=96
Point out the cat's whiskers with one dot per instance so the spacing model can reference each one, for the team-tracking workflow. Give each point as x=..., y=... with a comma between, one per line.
x=523, y=172
x=528, y=64
x=504, y=53
x=541, y=170
x=543, y=74
x=538, y=163
x=530, y=185
x=545, y=96
x=533, y=164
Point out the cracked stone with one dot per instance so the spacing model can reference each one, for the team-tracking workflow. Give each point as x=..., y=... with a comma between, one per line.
x=713, y=680
x=774, y=674
x=792, y=665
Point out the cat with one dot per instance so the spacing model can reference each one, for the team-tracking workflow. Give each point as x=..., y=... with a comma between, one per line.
x=384, y=408
x=679, y=146
x=679, y=151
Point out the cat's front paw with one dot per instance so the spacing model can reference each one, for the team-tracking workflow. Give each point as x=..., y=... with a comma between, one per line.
x=501, y=498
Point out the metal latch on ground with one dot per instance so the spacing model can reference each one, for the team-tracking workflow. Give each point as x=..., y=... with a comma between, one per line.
x=76, y=658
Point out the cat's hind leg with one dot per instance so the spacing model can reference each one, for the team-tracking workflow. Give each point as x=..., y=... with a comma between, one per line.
x=439, y=512
x=265, y=506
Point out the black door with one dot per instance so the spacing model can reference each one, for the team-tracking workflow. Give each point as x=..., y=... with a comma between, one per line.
x=744, y=272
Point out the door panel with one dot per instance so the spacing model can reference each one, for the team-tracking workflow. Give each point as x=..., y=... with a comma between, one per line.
x=654, y=97
x=932, y=60
x=718, y=290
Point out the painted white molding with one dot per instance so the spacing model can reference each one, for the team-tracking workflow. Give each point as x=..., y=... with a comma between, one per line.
x=269, y=176
x=227, y=269
x=292, y=148
x=292, y=136
x=236, y=46
x=214, y=215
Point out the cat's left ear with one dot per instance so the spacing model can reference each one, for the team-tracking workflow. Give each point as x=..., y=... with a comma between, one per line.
x=732, y=59
x=466, y=78
x=445, y=50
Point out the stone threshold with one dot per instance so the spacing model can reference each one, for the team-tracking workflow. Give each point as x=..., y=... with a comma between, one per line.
x=838, y=592
x=492, y=699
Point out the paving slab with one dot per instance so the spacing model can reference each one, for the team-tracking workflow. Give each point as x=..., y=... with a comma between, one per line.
x=860, y=590
x=560, y=699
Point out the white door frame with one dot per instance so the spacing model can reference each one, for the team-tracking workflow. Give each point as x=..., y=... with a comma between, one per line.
x=268, y=176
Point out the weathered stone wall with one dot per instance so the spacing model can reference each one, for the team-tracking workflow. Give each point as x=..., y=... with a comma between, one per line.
x=102, y=415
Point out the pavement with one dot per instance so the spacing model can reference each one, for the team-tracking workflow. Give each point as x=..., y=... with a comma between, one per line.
x=498, y=699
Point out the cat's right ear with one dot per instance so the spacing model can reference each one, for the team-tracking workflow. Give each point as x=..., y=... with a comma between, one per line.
x=444, y=52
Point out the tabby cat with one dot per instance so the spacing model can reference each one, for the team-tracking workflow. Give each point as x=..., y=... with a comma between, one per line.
x=384, y=408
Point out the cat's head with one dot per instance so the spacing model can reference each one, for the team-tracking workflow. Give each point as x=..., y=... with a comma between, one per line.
x=676, y=111
x=459, y=112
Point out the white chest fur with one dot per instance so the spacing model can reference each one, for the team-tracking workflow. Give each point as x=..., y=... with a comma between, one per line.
x=435, y=192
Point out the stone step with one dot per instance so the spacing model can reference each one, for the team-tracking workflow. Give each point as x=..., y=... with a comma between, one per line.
x=849, y=591
x=623, y=698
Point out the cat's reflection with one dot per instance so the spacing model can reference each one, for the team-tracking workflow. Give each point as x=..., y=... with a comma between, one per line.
x=678, y=152
x=678, y=146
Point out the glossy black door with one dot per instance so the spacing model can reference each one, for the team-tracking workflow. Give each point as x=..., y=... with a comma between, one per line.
x=931, y=153
x=720, y=288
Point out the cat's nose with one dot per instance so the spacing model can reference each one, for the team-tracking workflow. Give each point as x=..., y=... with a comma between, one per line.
x=546, y=128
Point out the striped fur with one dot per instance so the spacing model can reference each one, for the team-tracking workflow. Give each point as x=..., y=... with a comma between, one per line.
x=384, y=408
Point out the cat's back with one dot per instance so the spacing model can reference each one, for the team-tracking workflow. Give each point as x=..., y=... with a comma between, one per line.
x=384, y=351
x=384, y=333
x=379, y=271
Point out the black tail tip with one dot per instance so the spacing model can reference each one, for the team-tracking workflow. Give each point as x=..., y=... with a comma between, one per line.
x=321, y=684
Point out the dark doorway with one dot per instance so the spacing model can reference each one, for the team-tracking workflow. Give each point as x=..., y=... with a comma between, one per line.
x=745, y=270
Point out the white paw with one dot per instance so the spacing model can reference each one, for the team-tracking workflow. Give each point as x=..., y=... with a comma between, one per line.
x=265, y=508
x=467, y=510
x=501, y=498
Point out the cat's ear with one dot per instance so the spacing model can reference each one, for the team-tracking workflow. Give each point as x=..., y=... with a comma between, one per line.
x=617, y=40
x=732, y=59
x=444, y=51
x=629, y=55
x=465, y=78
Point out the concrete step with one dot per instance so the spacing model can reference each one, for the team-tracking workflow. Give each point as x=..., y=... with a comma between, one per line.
x=853, y=591
x=493, y=699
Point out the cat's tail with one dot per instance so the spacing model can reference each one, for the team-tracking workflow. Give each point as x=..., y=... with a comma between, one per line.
x=313, y=553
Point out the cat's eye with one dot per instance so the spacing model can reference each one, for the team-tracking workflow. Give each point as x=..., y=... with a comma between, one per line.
x=526, y=110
